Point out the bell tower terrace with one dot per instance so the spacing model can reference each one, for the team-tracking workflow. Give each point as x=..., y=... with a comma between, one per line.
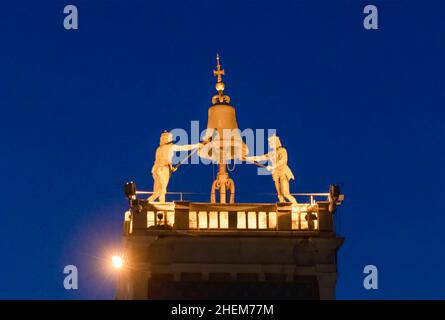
x=198, y=250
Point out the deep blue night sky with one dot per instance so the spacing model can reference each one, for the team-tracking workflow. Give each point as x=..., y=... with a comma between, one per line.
x=82, y=111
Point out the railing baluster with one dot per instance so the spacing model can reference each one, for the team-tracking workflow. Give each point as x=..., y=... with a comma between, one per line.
x=208, y=219
x=299, y=219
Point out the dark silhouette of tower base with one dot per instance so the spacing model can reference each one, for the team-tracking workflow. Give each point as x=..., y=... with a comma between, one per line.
x=187, y=250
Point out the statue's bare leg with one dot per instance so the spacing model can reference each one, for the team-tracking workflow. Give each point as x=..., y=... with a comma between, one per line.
x=280, y=195
x=284, y=182
x=163, y=181
x=156, y=189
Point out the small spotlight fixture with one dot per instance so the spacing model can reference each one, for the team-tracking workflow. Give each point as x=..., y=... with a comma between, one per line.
x=130, y=190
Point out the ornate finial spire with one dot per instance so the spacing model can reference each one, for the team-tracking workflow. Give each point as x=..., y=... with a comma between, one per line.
x=221, y=98
x=218, y=72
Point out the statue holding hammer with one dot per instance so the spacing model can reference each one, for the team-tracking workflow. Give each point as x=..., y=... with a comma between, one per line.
x=281, y=173
x=163, y=168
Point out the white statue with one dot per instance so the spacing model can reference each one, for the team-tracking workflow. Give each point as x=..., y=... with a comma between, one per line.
x=281, y=173
x=163, y=167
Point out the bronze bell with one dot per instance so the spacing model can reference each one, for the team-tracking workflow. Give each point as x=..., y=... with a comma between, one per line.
x=227, y=143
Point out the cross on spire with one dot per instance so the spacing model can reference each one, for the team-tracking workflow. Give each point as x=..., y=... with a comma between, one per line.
x=218, y=72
